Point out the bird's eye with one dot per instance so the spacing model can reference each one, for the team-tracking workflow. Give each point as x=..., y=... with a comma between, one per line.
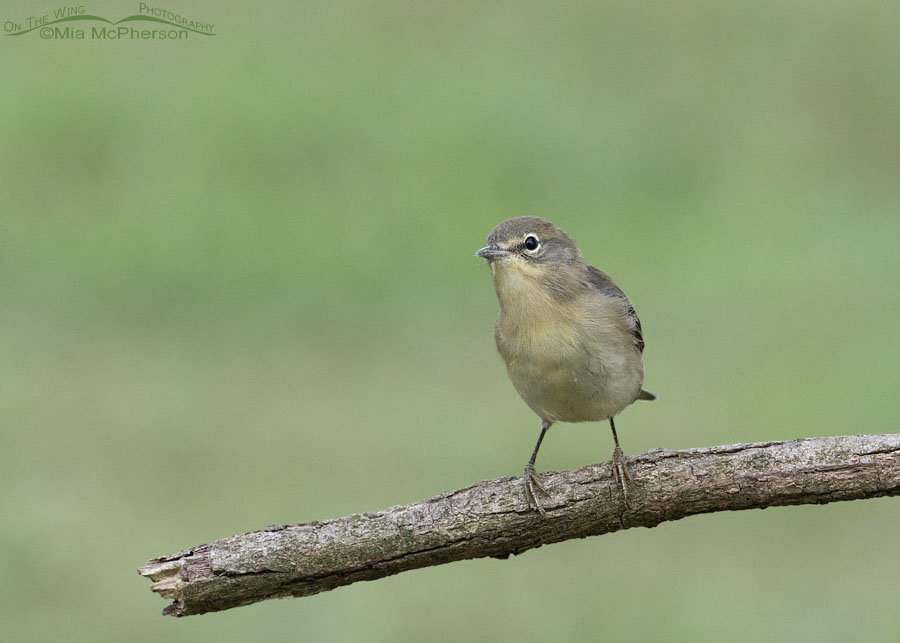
x=531, y=242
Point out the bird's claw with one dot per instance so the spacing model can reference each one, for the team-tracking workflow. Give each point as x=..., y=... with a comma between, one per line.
x=533, y=486
x=620, y=471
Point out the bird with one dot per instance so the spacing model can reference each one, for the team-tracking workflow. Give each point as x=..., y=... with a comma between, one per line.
x=571, y=340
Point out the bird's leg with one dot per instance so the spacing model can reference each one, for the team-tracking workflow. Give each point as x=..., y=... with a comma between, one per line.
x=620, y=471
x=531, y=482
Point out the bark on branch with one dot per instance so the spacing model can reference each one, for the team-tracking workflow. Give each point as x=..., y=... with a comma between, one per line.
x=491, y=518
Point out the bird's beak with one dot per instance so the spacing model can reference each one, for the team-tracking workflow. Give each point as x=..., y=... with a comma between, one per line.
x=491, y=253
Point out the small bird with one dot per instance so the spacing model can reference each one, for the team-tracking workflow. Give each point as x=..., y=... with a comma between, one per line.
x=571, y=340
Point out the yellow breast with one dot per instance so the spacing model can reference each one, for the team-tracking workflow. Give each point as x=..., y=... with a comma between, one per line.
x=564, y=355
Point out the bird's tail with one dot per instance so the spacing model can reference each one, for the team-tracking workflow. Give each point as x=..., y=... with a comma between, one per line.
x=646, y=395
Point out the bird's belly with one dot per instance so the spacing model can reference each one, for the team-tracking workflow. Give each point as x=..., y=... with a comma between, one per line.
x=574, y=390
x=569, y=367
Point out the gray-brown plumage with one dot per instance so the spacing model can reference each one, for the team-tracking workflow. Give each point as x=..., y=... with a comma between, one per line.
x=571, y=340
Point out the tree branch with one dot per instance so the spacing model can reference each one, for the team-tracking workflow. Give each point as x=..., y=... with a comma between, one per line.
x=491, y=518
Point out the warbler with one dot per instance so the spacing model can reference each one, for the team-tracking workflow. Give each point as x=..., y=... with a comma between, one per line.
x=571, y=340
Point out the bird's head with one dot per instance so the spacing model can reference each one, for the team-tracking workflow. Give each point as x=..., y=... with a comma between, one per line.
x=530, y=252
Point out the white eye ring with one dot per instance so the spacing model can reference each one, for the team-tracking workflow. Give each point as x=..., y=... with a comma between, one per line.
x=532, y=243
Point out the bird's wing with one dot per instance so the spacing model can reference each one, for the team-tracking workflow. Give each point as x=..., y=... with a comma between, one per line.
x=601, y=281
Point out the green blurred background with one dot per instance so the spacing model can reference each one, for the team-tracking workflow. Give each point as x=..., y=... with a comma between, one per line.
x=238, y=288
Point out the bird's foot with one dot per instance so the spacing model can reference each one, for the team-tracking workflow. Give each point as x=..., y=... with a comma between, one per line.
x=620, y=471
x=533, y=486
